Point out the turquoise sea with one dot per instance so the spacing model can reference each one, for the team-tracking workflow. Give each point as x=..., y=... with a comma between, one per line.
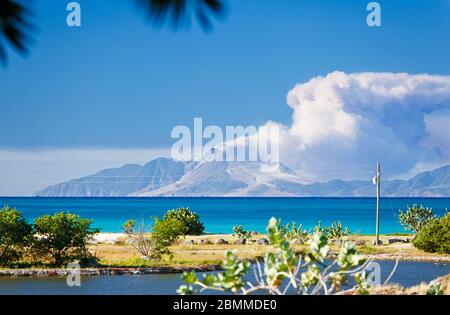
x=221, y=214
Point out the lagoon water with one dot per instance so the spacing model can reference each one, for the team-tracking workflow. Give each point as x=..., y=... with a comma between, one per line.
x=221, y=214
x=407, y=274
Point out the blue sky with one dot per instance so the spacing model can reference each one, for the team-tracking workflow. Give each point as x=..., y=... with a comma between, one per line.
x=117, y=82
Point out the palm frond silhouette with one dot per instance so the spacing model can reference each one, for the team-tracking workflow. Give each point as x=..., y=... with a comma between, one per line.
x=15, y=25
x=178, y=13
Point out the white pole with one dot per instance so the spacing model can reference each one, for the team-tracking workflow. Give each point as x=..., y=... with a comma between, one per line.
x=378, y=203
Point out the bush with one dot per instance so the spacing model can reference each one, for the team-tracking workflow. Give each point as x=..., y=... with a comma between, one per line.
x=155, y=244
x=284, y=269
x=14, y=234
x=295, y=232
x=415, y=218
x=138, y=237
x=240, y=232
x=336, y=230
x=63, y=237
x=435, y=236
x=190, y=219
x=164, y=234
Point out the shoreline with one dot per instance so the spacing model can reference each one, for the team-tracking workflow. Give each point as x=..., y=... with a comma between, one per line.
x=120, y=271
x=102, y=271
x=201, y=254
x=117, y=237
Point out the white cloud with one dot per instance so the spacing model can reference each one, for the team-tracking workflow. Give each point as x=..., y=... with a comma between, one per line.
x=341, y=125
x=23, y=172
x=344, y=120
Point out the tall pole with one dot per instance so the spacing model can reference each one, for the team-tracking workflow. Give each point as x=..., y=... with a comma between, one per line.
x=378, y=203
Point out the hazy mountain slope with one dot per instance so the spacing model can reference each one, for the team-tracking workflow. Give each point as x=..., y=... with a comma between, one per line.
x=434, y=183
x=335, y=188
x=205, y=179
x=121, y=181
x=166, y=177
x=220, y=178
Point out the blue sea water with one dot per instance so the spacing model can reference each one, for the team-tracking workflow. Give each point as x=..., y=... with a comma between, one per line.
x=221, y=214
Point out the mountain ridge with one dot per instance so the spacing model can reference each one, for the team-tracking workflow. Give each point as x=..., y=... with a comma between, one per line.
x=163, y=177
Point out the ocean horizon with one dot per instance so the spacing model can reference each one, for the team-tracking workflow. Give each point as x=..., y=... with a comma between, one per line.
x=220, y=214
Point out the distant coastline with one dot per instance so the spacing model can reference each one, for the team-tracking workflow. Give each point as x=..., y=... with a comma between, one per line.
x=164, y=177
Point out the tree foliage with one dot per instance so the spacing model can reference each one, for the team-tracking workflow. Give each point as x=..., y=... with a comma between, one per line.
x=63, y=236
x=164, y=234
x=435, y=236
x=15, y=232
x=415, y=218
x=190, y=219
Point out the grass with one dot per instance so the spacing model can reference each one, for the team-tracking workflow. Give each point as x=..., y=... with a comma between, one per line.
x=420, y=289
x=185, y=255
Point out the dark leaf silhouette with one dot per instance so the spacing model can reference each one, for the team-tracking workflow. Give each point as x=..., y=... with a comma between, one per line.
x=178, y=13
x=14, y=26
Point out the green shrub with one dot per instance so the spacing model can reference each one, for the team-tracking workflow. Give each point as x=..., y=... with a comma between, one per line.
x=63, y=237
x=336, y=230
x=157, y=243
x=295, y=232
x=190, y=219
x=14, y=234
x=435, y=288
x=435, y=236
x=240, y=232
x=415, y=218
x=284, y=269
x=164, y=234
